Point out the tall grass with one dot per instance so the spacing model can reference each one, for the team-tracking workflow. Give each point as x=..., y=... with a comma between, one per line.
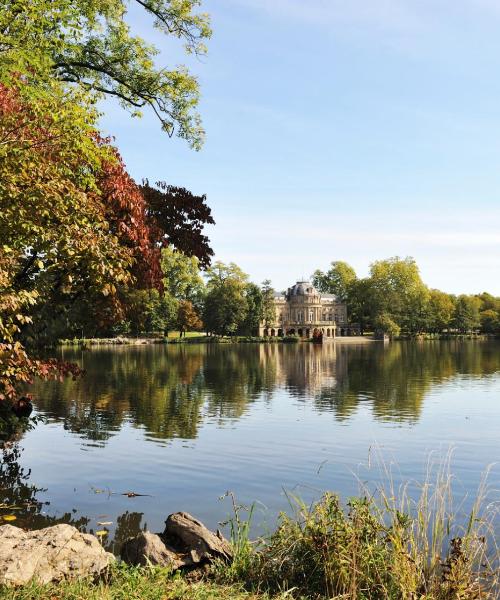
x=386, y=544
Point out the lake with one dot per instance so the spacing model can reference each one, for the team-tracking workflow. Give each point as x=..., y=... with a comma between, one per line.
x=183, y=424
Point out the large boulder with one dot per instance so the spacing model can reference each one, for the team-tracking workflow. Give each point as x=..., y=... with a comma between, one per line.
x=185, y=542
x=50, y=554
x=189, y=535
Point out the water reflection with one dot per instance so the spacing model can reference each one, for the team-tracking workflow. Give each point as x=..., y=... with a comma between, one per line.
x=20, y=497
x=171, y=391
x=259, y=418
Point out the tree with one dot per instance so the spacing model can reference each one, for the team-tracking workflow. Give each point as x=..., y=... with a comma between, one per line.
x=398, y=291
x=337, y=280
x=225, y=304
x=360, y=304
x=182, y=216
x=187, y=317
x=76, y=233
x=466, y=317
x=386, y=325
x=441, y=310
x=181, y=276
x=148, y=311
x=90, y=45
x=53, y=231
x=268, y=308
x=254, y=312
x=490, y=321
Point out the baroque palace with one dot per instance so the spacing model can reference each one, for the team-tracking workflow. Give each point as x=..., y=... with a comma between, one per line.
x=302, y=310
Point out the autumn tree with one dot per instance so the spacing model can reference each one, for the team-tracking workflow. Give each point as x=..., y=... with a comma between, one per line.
x=53, y=231
x=187, y=318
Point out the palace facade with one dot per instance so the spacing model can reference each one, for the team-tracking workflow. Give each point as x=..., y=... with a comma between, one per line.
x=303, y=311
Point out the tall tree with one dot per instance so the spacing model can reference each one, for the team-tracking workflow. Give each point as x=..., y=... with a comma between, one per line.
x=254, y=313
x=268, y=307
x=398, y=291
x=225, y=303
x=90, y=44
x=441, y=310
x=466, y=317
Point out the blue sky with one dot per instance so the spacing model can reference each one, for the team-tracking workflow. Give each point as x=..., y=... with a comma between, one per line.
x=341, y=130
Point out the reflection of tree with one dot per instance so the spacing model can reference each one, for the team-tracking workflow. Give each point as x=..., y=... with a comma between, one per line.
x=17, y=492
x=395, y=378
x=170, y=391
x=128, y=525
x=19, y=497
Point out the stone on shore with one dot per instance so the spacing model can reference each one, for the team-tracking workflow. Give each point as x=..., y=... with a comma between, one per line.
x=187, y=534
x=147, y=547
x=49, y=555
x=186, y=542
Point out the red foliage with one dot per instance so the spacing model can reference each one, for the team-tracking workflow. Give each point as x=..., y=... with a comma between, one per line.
x=126, y=212
x=179, y=218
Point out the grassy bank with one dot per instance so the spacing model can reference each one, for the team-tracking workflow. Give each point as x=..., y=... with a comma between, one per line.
x=190, y=338
x=378, y=546
x=128, y=583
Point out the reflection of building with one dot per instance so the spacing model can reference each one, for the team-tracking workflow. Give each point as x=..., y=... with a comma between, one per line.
x=304, y=311
x=305, y=370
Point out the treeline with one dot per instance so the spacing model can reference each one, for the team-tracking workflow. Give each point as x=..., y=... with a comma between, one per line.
x=395, y=300
x=219, y=300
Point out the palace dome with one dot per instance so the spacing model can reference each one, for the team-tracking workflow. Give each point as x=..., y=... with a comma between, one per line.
x=303, y=288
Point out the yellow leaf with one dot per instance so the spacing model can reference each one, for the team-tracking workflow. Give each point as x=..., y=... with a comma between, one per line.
x=9, y=517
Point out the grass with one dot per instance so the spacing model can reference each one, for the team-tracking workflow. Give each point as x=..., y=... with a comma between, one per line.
x=385, y=544
x=128, y=583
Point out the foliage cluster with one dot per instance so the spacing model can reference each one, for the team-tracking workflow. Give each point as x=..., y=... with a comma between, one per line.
x=394, y=299
x=80, y=241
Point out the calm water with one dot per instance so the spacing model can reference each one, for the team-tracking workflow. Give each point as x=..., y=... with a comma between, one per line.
x=185, y=424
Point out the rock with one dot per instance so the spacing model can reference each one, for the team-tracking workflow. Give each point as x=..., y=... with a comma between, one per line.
x=185, y=543
x=50, y=554
x=186, y=534
x=147, y=547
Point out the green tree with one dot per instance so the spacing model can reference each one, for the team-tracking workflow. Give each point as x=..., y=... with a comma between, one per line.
x=254, y=312
x=466, y=317
x=360, y=304
x=490, y=321
x=397, y=290
x=384, y=323
x=337, y=280
x=441, y=310
x=182, y=278
x=226, y=306
x=268, y=307
x=90, y=44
